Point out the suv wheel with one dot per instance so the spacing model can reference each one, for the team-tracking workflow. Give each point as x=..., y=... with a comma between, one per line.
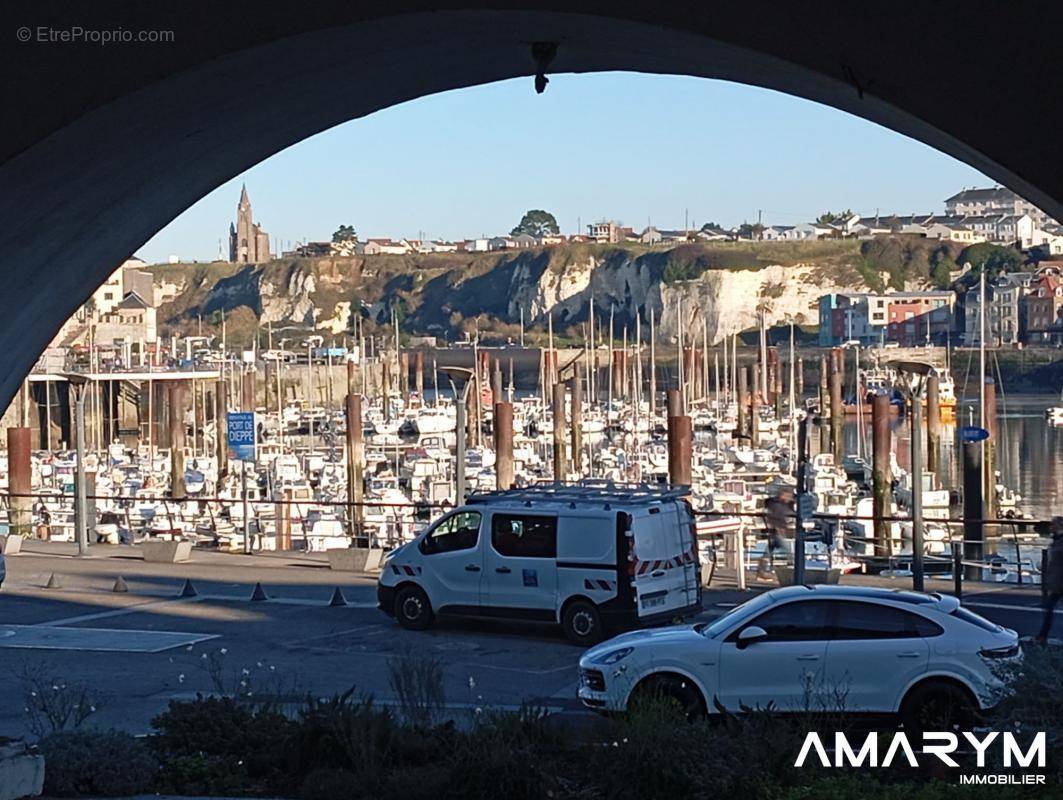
x=937, y=706
x=671, y=695
x=413, y=609
x=582, y=623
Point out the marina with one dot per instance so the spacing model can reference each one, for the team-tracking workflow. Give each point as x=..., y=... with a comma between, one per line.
x=358, y=447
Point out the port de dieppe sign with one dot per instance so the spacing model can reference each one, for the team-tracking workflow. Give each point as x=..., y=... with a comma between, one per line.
x=241, y=439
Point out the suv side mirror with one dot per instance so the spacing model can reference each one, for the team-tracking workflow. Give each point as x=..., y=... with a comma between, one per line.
x=750, y=635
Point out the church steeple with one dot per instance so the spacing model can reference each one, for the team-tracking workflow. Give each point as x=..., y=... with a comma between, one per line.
x=248, y=243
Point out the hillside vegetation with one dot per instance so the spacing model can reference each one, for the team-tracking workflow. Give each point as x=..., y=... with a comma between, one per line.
x=449, y=293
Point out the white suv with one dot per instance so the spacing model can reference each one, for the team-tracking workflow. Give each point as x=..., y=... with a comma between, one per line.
x=822, y=648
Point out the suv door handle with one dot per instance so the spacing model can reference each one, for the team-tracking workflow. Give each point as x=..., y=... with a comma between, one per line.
x=471, y=568
x=909, y=654
x=659, y=573
x=503, y=570
x=808, y=657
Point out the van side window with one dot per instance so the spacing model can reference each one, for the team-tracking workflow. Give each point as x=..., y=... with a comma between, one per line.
x=459, y=532
x=524, y=536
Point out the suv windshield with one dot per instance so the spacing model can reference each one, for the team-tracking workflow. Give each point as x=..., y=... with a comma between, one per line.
x=745, y=609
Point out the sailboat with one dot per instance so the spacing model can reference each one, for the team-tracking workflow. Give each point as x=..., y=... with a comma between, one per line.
x=1054, y=414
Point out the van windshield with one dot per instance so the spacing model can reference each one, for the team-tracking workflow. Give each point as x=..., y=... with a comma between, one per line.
x=745, y=609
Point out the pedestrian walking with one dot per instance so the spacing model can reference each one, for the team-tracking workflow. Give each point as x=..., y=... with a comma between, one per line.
x=1052, y=579
x=778, y=515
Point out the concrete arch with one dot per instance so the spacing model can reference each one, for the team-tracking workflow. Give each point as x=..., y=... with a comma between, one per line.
x=110, y=144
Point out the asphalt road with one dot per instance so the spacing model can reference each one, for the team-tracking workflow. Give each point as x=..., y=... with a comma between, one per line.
x=142, y=648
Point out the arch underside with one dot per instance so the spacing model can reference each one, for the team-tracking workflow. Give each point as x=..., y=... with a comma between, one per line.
x=112, y=162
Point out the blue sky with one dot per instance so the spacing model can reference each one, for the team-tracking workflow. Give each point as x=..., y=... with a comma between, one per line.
x=616, y=145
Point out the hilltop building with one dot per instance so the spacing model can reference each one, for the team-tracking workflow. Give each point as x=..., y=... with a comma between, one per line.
x=248, y=243
x=995, y=202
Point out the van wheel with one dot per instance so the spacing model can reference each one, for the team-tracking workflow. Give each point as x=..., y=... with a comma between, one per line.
x=937, y=706
x=413, y=609
x=582, y=623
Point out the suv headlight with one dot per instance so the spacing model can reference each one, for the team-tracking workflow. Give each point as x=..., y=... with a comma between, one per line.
x=613, y=656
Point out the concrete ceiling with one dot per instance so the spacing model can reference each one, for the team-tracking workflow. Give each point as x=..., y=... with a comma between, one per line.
x=102, y=146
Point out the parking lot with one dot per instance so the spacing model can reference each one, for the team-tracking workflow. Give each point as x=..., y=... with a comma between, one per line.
x=144, y=647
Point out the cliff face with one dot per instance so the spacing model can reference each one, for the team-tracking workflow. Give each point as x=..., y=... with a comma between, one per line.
x=719, y=289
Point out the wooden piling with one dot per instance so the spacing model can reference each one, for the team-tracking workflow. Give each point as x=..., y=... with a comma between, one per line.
x=974, y=509
x=881, y=480
x=247, y=390
x=836, y=409
x=990, y=454
x=418, y=373
x=742, y=428
x=576, y=417
x=176, y=402
x=19, y=481
x=824, y=406
x=560, y=467
x=680, y=440
x=503, y=432
x=754, y=405
x=933, y=423
x=355, y=461
x=221, y=426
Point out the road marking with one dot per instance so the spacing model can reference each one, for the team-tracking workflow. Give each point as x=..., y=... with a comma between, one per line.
x=104, y=640
x=225, y=598
x=115, y=612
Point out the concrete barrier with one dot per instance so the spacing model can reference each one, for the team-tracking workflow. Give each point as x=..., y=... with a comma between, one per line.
x=159, y=550
x=354, y=559
x=21, y=772
x=10, y=544
x=813, y=576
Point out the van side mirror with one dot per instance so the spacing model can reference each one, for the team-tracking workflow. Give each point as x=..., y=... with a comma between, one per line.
x=749, y=635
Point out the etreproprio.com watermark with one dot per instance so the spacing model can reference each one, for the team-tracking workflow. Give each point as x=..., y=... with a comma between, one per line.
x=76, y=34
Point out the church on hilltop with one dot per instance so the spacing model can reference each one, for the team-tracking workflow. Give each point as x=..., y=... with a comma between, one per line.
x=248, y=243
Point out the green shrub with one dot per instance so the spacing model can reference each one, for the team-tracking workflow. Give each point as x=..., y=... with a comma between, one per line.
x=1034, y=702
x=213, y=731
x=347, y=732
x=109, y=764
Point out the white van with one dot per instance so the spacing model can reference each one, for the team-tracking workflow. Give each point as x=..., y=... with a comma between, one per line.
x=596, y=557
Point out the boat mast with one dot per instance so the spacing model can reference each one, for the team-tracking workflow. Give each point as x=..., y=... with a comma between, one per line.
x=653, y=365
x=679, y=348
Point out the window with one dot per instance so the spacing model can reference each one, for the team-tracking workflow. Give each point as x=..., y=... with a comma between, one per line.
x=799, y=621
x=458, y=532
x=524, y=536
x=873, y=621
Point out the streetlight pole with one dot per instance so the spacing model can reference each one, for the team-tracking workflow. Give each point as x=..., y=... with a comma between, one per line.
x=461, y=396
x=918, y=373
x=917, y=487
x=81, y=530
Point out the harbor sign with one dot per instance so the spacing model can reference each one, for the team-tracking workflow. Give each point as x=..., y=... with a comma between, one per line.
x=241, y=441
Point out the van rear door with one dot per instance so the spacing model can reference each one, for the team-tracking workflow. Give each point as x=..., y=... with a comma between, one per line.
x=665, y=573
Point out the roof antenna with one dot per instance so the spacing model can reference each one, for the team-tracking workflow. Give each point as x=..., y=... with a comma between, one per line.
x=543, y=53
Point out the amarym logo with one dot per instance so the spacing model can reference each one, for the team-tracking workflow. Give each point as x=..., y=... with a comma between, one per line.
x=939, y=744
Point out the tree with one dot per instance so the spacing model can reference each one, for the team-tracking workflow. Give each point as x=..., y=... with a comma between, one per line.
x=747, y=231
x=941, y=273
x=713, y=226
x=344, y=233
x=994, y=259
x=832, y=217
x=537, y=223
